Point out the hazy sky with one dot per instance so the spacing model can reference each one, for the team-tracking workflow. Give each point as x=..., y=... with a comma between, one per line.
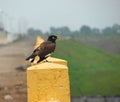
x=72, y=13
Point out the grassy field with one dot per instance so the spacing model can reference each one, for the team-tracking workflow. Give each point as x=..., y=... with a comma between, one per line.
x=92, y=71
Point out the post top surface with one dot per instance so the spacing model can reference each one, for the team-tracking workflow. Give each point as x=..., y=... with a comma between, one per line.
x=56, y=59
x=47, y=65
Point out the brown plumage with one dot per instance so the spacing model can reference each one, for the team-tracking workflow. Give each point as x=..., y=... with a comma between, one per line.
x=45, y=48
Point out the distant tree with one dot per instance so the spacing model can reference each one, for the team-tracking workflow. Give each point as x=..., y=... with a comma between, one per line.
x=65, y=30
x=30, y=31
x=52, y=30
x=33, y=31
x=61, y=30
x=37, y=31
x=95, y=31
x=116, y=28
x=85, y=29
x=1, y=29
x=75, y=34
x=107, y=30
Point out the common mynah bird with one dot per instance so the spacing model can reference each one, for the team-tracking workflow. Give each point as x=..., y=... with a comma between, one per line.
x=44, y=49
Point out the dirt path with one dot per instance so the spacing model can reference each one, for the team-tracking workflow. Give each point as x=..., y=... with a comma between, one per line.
x=13, y=55
x=13, y=83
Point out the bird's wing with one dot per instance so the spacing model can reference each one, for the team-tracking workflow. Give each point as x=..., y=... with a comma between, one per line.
x=36, y=51
x=45, y=48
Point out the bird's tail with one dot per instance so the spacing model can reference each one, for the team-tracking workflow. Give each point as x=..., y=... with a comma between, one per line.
x=31, y=58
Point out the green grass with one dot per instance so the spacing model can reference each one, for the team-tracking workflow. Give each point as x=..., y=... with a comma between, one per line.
x=92, y=71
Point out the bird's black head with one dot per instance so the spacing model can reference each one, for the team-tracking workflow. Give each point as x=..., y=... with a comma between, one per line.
x=52, y=38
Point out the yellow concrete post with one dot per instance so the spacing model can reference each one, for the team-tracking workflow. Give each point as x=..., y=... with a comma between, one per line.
x=56, y=60
x=48, y=81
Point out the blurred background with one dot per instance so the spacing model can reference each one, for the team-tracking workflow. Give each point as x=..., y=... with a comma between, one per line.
x=89, y=39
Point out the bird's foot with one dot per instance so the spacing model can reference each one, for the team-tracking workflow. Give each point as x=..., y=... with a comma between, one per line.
x=46, y=61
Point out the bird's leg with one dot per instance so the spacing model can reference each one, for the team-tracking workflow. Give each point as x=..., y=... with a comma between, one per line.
x=48, y=55
x=38, y=61
x=46, y=60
